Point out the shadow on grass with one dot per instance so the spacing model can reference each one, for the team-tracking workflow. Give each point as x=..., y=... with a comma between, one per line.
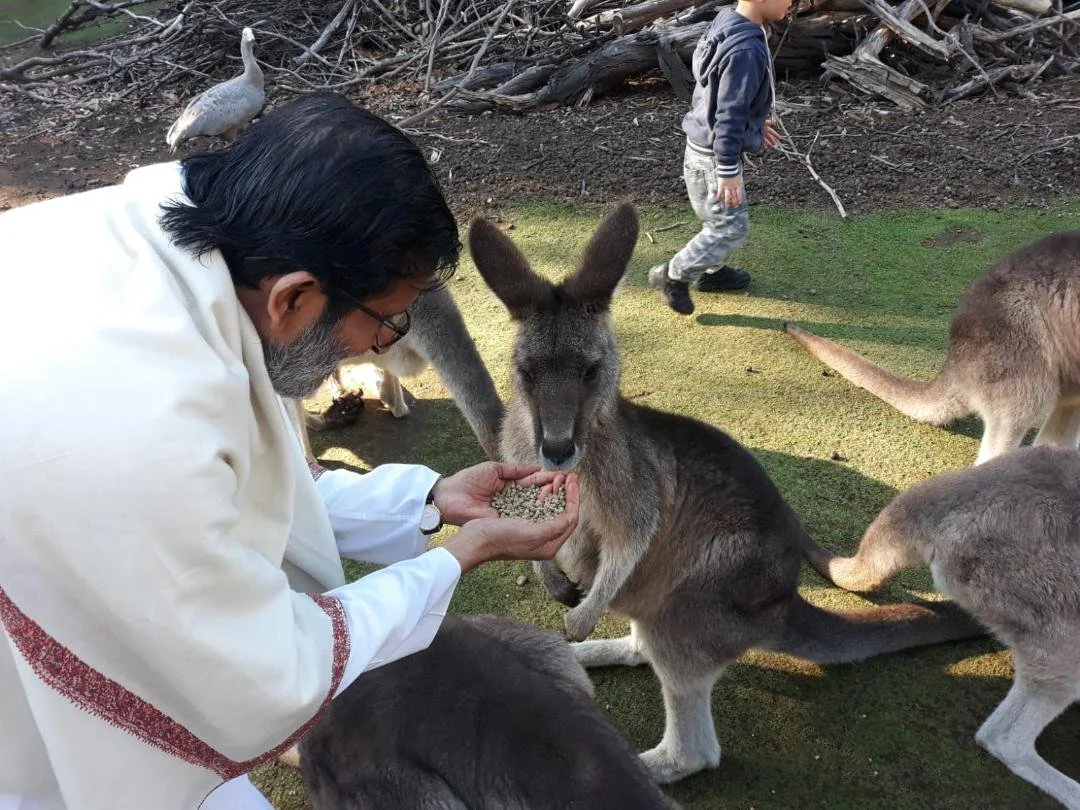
x=434, y=434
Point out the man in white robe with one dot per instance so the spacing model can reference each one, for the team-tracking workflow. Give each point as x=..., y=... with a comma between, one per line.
x=173, y=610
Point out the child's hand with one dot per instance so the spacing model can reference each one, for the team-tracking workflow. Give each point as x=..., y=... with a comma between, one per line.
x=730, y=192
x=772, y=135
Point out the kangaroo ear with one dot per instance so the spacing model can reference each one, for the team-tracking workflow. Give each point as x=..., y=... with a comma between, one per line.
x=506, y=270
x=606, y=258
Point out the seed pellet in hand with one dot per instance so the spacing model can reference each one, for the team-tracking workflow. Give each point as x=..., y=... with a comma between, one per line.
x=515, y=501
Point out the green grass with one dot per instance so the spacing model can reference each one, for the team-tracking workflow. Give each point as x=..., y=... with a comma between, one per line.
x=893, y=733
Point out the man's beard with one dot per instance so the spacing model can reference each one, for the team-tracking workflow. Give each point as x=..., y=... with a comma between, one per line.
x=297, y=369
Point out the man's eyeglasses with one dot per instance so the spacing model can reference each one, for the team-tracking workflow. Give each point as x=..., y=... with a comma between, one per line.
x=398, y=325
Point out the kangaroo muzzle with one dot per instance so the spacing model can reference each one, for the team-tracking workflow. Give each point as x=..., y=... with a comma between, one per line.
x=558, y=453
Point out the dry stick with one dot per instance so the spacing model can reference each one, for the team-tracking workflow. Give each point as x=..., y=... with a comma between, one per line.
x=420, y=116
x=672, y=226
x=122, y=8
x=1027, y=28
x=479, y=21
x=61, y=22
x=809, y=166
x=92, y=11
x=1016, y=72
x=631, y=18
x=265, y=32
x=327, y=32
x=580, y=7
x=67, y=64
x=931, y=23
x=434, y=43
x=13, y=45
x=389, y=17
x=347, y=39
x=906, y=31
x=1057, y=143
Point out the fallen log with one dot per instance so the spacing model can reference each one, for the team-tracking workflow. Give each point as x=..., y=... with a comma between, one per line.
x=631, y=18
x=1035, y=7
x=992, y=77
x=864, y=70
x=908, y=32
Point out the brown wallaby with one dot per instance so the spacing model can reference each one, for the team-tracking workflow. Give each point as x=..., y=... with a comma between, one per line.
x=681, y=530
x=438, y=337
x=1003, y=540
x=1014, y=353
x=494, y=715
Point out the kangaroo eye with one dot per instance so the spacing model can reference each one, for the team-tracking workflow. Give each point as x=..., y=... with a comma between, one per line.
x=590, y=373
x=526, y=376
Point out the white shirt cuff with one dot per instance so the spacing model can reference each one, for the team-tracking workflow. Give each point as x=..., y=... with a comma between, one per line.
x=376, y=516
x=396, y=611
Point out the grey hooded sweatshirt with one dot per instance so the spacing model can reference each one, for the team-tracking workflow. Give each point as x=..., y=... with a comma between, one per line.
x=733, y=94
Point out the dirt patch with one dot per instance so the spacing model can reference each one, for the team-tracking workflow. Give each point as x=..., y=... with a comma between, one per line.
x=986, y=152
x=954, y=236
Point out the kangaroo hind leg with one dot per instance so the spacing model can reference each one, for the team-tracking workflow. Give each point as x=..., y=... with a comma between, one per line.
x=689, y=743
x=392, y=396
x=1062, y=428
x=605, y=652
x=1011, y=730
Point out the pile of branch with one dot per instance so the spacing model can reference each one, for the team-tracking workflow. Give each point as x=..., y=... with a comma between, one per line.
x=519, y=55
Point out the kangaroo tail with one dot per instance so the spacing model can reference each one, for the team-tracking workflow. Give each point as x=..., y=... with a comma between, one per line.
x=887, y=546
x=840, y=637
x=452, y=353
x=931, y=402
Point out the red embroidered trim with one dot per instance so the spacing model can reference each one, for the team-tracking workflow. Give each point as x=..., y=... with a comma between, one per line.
x=104, y=698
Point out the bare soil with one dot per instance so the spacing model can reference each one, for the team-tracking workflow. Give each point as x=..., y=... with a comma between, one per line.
x=985, y=152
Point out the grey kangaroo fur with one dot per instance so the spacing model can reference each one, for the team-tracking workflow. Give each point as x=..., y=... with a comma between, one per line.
x=494, y=715
x=681, y=530
x=1014, y=353
x=1003, y=540
x=438, y=338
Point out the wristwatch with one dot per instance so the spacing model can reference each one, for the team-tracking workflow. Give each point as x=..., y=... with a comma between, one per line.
x=431, y=518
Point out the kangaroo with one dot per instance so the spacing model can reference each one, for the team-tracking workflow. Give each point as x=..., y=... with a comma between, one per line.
x=681, y=530
x=438, y=337
x=1014, y=353
x=1003, y=540
x=494, y=715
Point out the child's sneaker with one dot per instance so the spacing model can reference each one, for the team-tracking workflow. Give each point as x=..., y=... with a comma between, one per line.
x=726, y=279
x=676, y=293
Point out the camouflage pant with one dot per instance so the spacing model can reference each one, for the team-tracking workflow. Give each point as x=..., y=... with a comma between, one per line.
x=723, y=229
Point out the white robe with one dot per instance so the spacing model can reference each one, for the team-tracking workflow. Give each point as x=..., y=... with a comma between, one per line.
x=164, y=551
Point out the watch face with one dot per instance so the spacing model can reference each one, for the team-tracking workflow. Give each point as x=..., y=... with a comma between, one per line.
x=431, y=519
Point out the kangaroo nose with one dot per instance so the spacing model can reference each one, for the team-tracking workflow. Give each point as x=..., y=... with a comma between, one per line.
x=557, y=450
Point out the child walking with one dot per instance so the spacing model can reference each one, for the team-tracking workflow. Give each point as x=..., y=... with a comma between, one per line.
x=729, y=114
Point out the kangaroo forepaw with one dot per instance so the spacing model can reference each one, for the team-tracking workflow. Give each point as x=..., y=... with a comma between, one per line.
x=561, y=588
x=580, y=622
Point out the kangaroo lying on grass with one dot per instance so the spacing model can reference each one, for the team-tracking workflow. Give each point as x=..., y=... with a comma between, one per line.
x=681, y=530
x=1003, y=540
x=494, y=715
x=1014, y=353
x=437, y=337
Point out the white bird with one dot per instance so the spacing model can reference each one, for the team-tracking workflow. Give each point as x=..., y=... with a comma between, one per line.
x=226, y=107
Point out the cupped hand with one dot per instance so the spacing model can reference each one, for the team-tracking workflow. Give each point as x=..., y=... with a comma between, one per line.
x=466, y=495
x=484, y=539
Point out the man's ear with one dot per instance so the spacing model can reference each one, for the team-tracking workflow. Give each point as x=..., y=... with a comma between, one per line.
x=294, y=302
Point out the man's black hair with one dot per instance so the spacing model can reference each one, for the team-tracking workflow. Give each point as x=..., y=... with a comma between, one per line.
x=321, y=185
